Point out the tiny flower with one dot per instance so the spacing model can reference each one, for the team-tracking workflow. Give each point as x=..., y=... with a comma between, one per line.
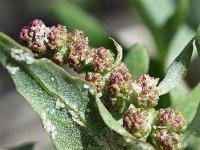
x=79, y=55
x=138, y=122
x=97, y=79
x=172, y=119
x=165, y=140
x=119, y=90
x=103, y=60
x=35, y=36
x=145, y=87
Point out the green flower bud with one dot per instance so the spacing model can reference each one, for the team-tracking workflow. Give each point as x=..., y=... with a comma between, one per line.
x=138, y=122
x=172, y=119
x=145, y=87
x=164, y=140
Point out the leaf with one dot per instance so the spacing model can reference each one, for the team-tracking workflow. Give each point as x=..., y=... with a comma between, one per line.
x=176, y=20
x=197, y=40
x=154, y=12
x=75, y=17
x=66, y=105
x=119, y=53
x=183, y=35
x=191, y=100
x=194, y=127
x=177, y=70
x=137, y=60
x=114, y=125
x=24, y=147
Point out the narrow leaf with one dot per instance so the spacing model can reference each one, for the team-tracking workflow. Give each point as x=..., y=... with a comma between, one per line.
x=197, y=40
x=24, y=147
x=194, y=127
x=177, y=70
x=137, y=60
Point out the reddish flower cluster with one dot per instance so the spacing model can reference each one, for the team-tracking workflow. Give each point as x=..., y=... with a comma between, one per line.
x=172, y=119
x=119, y=89
x=148, y=95
x=164, y=140
x=35, y=37
x=136, y=122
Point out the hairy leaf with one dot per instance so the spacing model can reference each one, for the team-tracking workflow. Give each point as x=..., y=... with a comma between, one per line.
x=137, y=60
x=177, y=70
x=67, y=106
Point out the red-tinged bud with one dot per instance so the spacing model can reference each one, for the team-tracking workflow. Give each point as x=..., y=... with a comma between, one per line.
x=172, y=119
x=145, y=87
x=97, y=79
x=79, y=55
x=119, y=90
x=35, y=36
x=138, y=122
x=164, y=140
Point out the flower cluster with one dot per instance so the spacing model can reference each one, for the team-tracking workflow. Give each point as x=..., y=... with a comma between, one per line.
x=112, y=79
x=137, y=121
x=147, y=92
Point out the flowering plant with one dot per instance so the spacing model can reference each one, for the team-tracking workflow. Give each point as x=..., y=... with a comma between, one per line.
x=113, y=107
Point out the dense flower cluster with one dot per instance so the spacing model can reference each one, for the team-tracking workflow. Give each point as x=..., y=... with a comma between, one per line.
x=112, y=79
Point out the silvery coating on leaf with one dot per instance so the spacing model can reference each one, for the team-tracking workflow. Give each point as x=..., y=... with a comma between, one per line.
x=177, y=70
x=34, y=82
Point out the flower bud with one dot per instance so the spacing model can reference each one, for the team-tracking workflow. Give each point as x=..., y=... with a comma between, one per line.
x=58, y=43
x=138, y=122
x=119, y=90
x=165, y=140
x=35, y=36
x=103, y=60
x=97, y=79
x=172, y=119
x=80, y=55
x=145, y=87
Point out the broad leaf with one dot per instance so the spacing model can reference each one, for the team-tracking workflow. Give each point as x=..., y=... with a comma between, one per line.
x=75, y=17
x=137, y=60
x=177, y=70
x=66, y=105
x=191, y=100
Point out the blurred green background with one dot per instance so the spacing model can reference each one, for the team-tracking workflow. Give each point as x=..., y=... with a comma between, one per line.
x=164, y=27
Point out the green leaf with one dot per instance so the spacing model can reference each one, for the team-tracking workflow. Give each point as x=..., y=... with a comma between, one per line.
x=66, y=105
x=176, y=20
x=183, y=35
x=75, y=17
x=197, y=40
x=132, y=143
x=194, y=127
x=154, y=12
x=177, y=70
x=24, y=147
x=191, y=100
x=69, y=125
x=137, y=60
